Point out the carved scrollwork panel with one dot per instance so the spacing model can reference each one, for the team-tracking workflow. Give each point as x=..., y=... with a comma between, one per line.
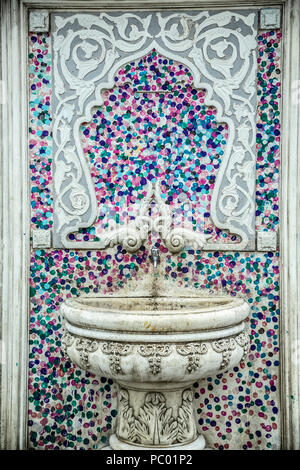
x=220, y=51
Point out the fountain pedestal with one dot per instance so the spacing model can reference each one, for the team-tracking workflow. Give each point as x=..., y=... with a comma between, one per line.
x=155, y=417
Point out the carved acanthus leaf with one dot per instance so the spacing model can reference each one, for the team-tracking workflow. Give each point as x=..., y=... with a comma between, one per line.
x=155, y=423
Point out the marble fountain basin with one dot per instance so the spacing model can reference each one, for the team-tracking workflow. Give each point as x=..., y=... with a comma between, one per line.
x=155, y=348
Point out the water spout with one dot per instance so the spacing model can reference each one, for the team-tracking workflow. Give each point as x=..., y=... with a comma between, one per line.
x=154, y=257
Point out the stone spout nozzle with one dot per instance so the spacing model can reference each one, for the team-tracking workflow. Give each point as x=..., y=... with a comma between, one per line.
x=154, y=257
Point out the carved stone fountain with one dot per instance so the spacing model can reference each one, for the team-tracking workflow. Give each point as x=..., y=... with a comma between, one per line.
x=155, y=348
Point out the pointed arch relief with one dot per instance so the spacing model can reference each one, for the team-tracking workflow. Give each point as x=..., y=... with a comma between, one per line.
x=219, y=48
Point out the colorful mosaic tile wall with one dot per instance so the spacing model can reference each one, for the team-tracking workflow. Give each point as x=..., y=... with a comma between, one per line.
x=72, y=409
x=141, y=134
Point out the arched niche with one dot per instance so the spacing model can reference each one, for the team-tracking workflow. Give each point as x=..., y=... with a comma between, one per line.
x=220, y=51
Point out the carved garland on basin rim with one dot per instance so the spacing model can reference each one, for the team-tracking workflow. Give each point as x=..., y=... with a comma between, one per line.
x=88, y=51
x=193, y=352
x=155, y=352
x=114, y=352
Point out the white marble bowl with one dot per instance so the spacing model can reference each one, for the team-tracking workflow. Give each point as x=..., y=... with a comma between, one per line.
x=155, y=348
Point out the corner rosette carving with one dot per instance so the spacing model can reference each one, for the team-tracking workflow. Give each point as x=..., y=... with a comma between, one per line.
x=39, y=21
x=41, y=238
x=186, y=421
x=177, y=238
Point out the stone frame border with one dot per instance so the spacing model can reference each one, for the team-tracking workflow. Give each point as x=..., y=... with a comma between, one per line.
x=15, y=207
